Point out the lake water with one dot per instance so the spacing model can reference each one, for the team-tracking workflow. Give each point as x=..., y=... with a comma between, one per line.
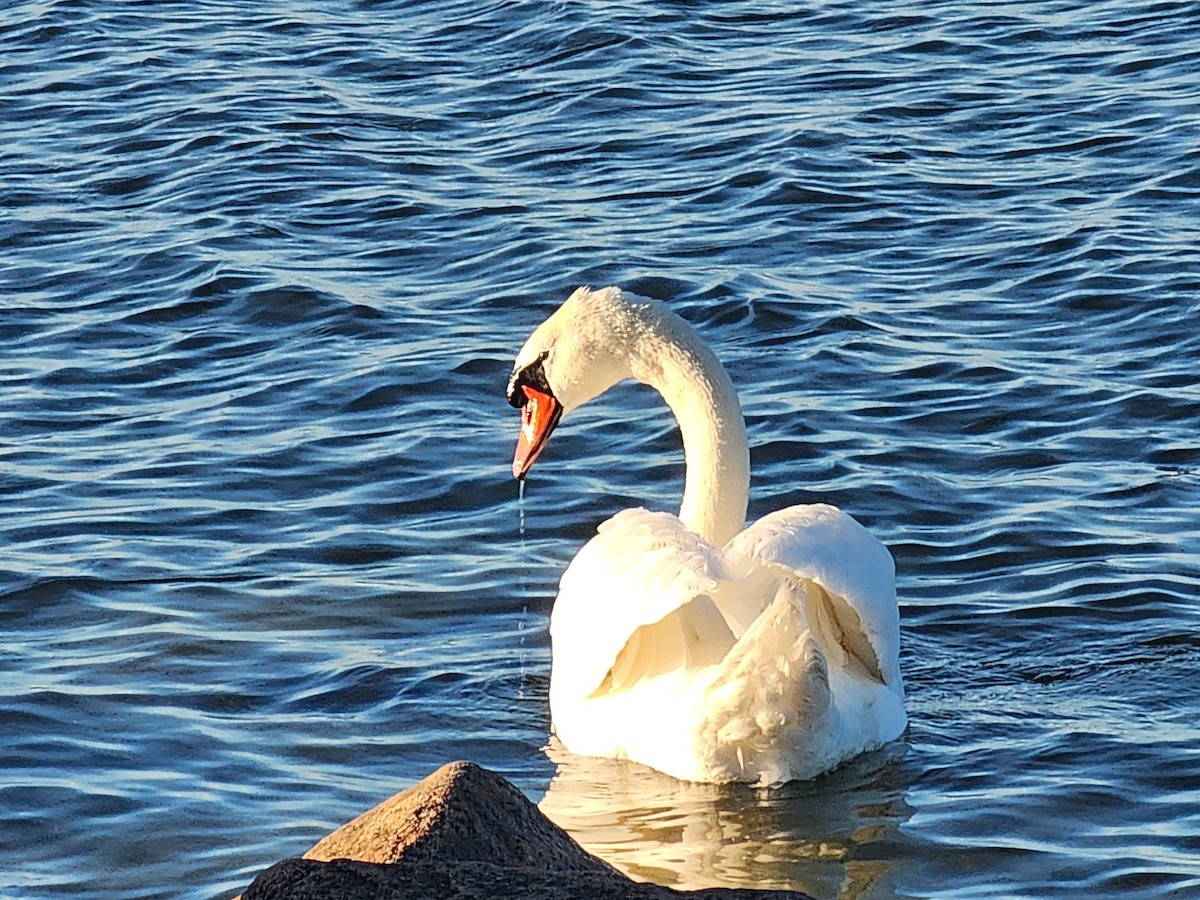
x=264, y=267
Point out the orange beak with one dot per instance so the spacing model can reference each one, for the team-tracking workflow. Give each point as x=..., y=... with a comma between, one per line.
x=539, y=415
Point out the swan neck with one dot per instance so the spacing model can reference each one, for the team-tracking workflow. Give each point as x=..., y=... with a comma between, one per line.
x=701, y=395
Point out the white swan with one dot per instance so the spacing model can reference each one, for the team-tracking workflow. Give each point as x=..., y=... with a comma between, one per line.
x=683, y=642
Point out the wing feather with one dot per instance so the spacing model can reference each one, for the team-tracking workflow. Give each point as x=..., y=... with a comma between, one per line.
x=636, y=601
x=855, y=603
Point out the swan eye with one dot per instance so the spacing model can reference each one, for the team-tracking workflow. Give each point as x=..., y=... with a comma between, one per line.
x=531, y=376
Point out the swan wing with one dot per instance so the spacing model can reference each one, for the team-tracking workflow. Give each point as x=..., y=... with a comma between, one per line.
x=847, y=577
x=635, y=602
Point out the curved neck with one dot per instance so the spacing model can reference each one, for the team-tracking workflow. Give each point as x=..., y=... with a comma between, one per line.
x=672, y=359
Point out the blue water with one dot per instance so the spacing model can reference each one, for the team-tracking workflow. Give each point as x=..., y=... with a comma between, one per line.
x=263, y=269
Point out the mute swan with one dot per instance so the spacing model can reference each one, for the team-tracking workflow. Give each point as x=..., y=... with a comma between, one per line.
x=685, y=643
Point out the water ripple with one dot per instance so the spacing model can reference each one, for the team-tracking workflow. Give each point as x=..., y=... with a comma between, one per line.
x=265, y=267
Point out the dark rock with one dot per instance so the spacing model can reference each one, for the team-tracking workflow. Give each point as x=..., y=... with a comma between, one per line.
x=345, y=879
x=463, y=833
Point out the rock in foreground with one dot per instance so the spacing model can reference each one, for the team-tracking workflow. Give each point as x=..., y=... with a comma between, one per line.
x=463, y=833
x=460, y=813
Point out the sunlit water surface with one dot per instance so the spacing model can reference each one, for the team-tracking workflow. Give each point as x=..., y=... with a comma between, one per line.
x=263, y=268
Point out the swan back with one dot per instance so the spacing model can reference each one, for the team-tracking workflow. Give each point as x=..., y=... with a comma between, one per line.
x=770, y=659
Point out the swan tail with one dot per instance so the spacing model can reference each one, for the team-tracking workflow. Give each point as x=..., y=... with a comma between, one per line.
x=770, y=707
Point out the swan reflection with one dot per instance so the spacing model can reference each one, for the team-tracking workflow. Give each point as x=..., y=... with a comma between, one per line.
x=833, y=837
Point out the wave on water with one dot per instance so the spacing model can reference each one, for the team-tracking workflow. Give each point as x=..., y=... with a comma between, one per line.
x=263, y=270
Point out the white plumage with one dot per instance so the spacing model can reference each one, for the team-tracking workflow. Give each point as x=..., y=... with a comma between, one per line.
x=711, y=654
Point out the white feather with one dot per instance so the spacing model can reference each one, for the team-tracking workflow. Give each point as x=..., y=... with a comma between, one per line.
x=812, y=681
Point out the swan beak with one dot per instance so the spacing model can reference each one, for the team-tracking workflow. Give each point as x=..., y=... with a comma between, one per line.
x=539, y=415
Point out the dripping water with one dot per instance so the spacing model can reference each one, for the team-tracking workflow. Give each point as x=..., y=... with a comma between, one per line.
x=521, y=652
x=521, y=510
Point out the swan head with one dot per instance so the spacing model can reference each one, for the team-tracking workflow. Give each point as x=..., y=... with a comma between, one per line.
x=578, y=353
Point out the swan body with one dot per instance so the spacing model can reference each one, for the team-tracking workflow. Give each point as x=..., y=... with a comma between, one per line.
x=687, y=643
